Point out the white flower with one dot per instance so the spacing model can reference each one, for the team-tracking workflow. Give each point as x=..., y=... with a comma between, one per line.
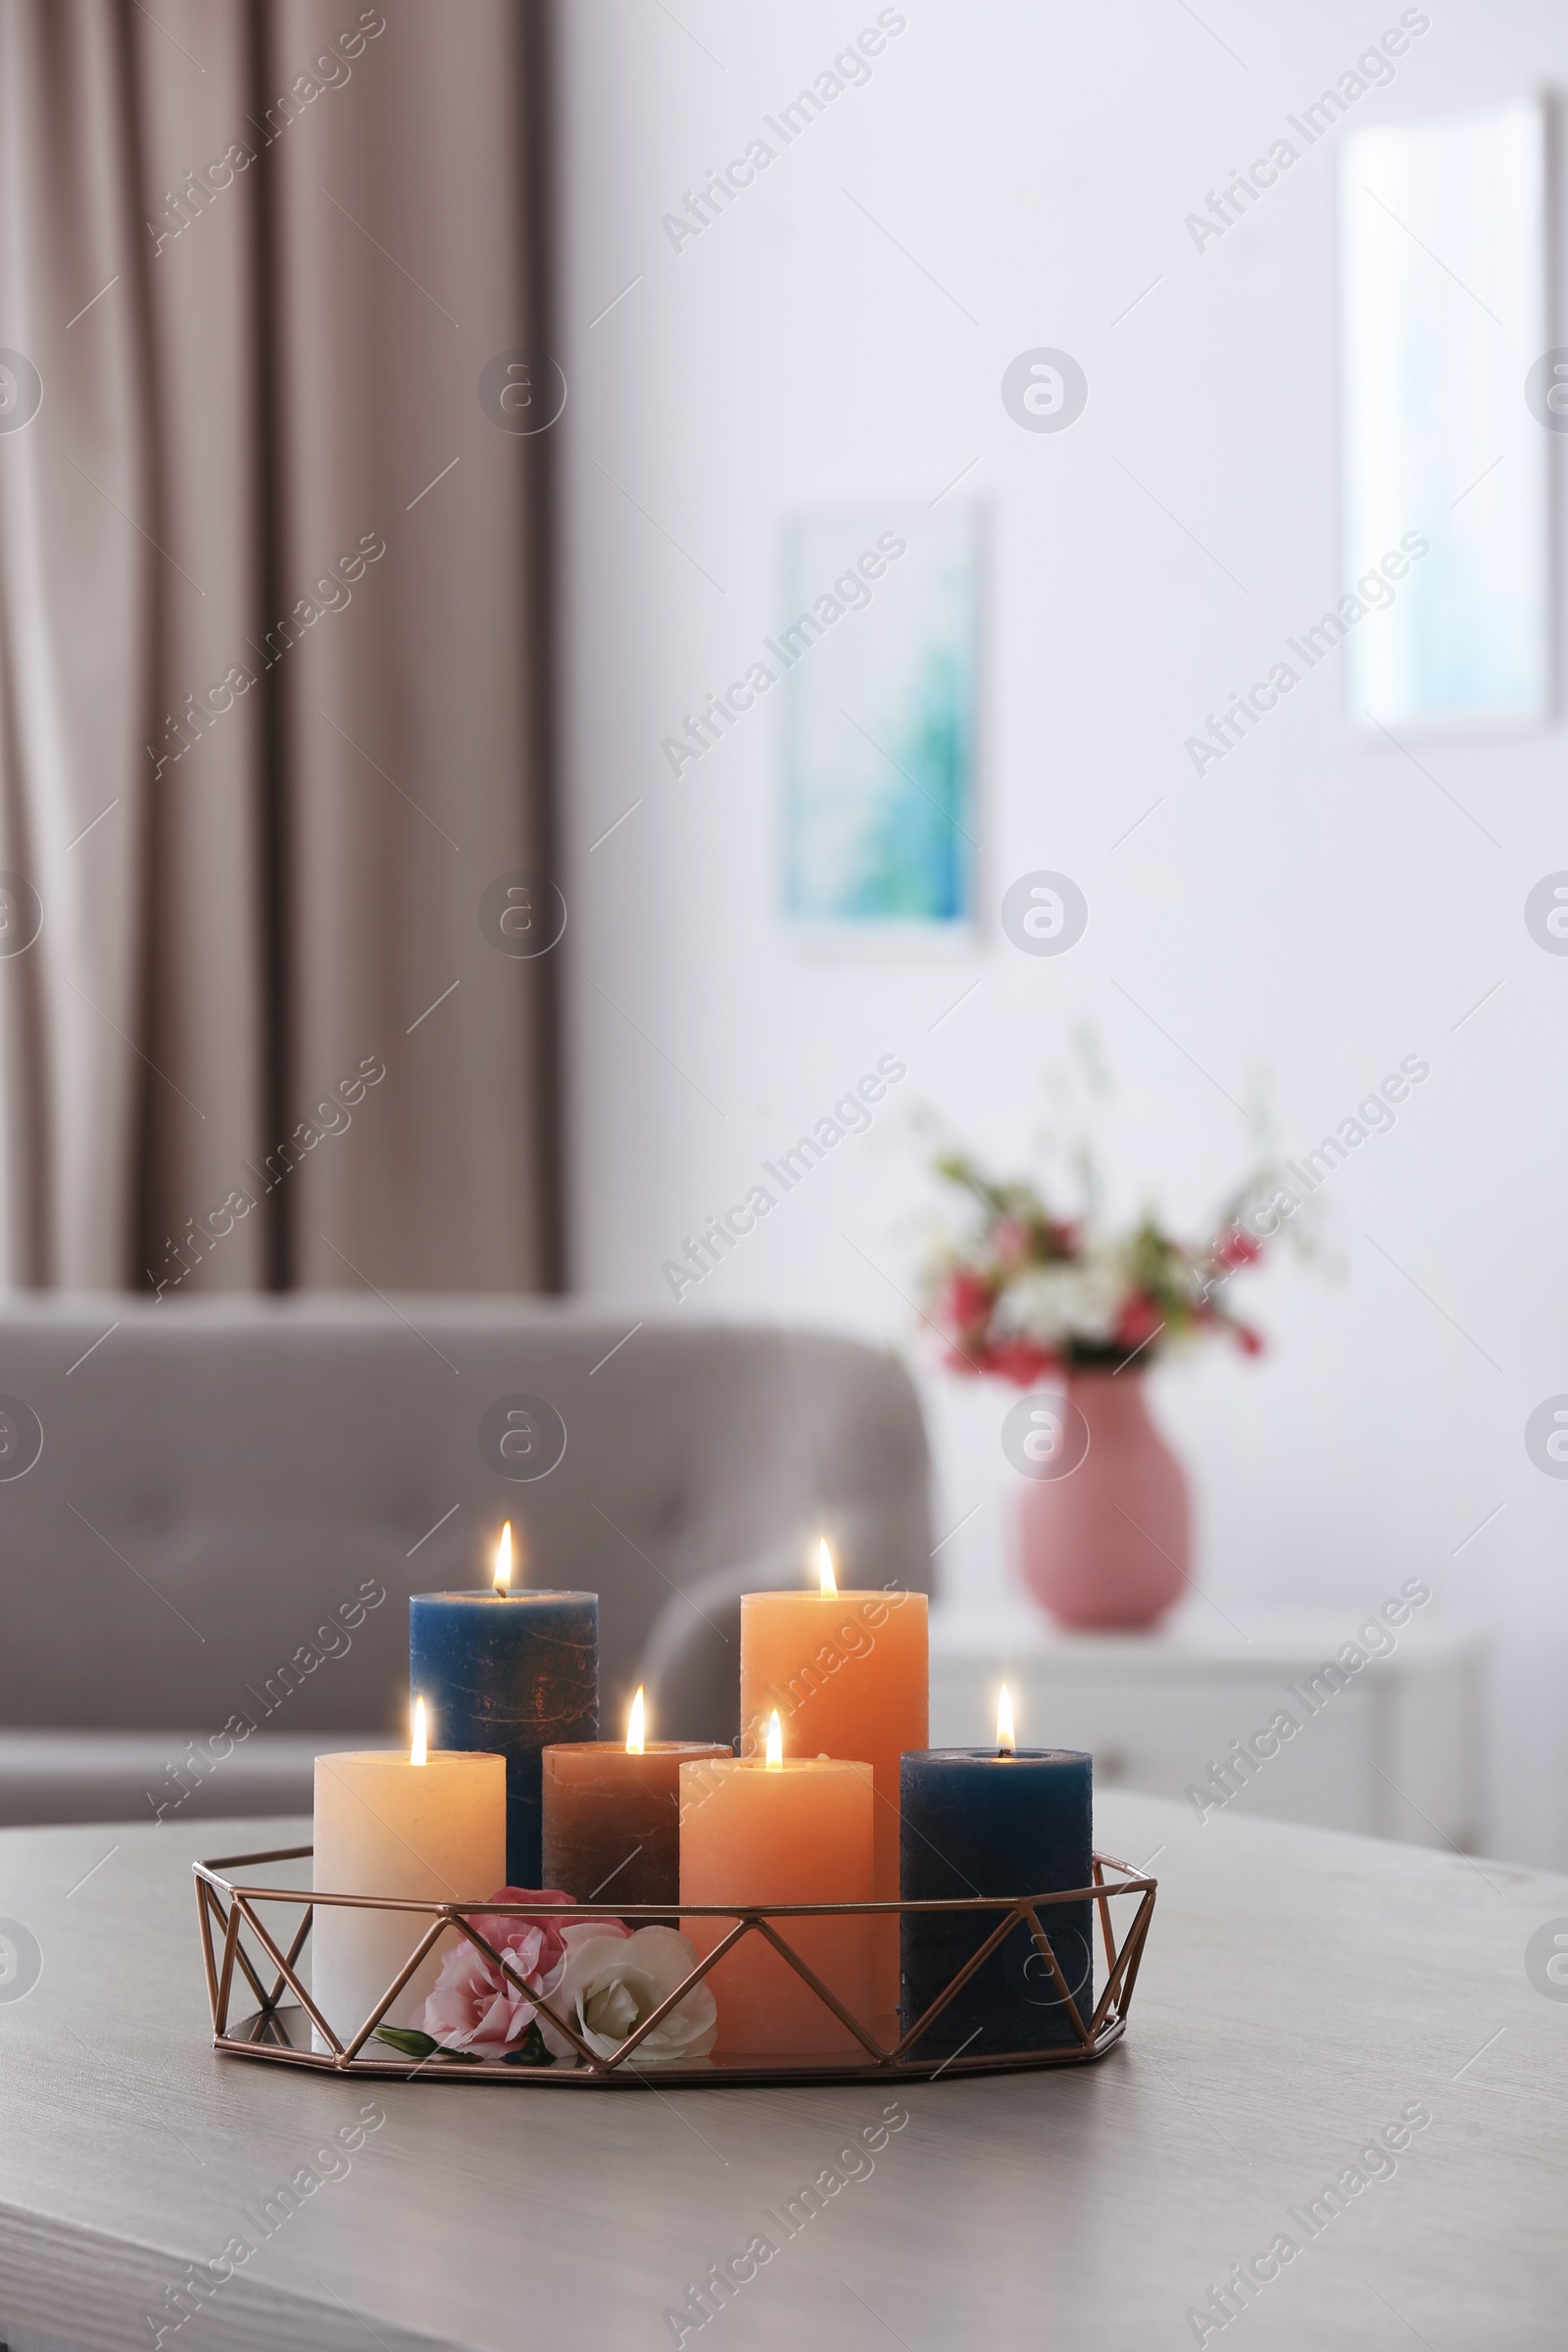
x=1055, y=1303
x=607, y=1983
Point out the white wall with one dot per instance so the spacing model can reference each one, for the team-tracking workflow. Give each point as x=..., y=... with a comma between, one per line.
x=1312, y=911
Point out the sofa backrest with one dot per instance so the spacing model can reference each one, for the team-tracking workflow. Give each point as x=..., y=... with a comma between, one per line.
x=225, y=1487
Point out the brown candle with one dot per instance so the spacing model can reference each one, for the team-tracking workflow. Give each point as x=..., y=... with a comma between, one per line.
x=611, y=1816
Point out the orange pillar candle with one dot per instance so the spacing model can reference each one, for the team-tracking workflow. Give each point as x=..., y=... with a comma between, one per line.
x=611, y=1815
x=793, y=1830
x=850, y=1675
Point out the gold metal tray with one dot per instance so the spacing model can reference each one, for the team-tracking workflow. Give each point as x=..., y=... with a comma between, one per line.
x=282, y=2031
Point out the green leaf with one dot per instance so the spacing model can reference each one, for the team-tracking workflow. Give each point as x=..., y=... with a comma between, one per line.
x=530, y=2051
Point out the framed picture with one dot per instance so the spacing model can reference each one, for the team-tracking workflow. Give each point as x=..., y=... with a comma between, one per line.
x=877, y=649
x=1447, y=421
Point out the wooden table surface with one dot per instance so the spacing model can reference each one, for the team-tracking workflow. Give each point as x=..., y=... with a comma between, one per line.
x=1301, y=1991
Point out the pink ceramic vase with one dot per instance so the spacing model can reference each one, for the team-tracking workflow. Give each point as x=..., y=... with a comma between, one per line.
x=1108, y=1548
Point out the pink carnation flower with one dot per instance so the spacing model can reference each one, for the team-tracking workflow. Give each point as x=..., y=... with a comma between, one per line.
x=480, y=2006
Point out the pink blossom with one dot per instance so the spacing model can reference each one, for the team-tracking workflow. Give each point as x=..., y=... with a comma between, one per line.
x=1139, y=1320
x=965, y=1301
x=478, y=2005
x=1010, y=1241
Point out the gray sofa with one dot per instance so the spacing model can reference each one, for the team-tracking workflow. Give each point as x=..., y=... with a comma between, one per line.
x=212, y=1515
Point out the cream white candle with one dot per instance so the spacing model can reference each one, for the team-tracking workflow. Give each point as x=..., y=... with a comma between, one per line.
x=425, y=1827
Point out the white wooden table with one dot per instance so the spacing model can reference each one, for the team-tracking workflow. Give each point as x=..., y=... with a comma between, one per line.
x=1301, y=1989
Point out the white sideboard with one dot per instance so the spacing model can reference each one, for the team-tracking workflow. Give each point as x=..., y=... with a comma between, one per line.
x=1394, y=1752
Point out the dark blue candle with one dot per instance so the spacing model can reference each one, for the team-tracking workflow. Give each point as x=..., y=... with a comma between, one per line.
x=514, y=1673
x=978, y=1822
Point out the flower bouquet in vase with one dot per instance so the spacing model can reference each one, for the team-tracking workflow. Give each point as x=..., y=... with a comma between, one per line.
x=1074, y=1314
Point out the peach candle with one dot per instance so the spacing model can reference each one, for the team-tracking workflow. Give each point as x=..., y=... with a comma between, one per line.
x=430, y=1824
x=785, y=1830
x=611, y=1815
x=850, y=1675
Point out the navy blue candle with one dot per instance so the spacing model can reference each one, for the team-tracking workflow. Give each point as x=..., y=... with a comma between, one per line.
x=974, y=1821
x=514, y=1673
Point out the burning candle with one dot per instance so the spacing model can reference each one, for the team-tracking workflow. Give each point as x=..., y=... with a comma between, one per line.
x=1006, y=1821
x=765, y=1830
x=850, y=1676
x=612, y=1814
x=430, y=1826
x=513, y=1672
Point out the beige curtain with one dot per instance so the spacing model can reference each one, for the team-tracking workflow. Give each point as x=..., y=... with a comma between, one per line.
x=272, y=647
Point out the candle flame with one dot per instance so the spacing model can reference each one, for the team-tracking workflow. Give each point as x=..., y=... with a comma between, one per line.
x=775, y=1743
x=1006, y=1742
x=503, y=1576
x=418, y=1750
x=634, y=1727
x=824, y=1563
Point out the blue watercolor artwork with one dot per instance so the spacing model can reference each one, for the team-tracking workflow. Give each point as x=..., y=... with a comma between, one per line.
x=878, y=652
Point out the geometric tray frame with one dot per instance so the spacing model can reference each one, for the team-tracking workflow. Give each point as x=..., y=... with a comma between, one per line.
x=280, y=2033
